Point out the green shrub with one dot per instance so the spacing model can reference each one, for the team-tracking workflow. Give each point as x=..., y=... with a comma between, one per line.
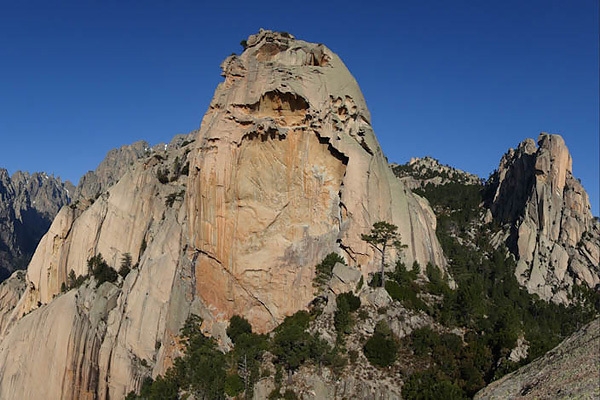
x=423, y=340
x=234, y=385
x=406, y=293
x=360, y=284
x=375, y=280
x=162, y=174
x=381, y=349
x=291, y=344
x=163, y=389
x=176, y=169
x=437, y=284
x=238, y=326
x=186, y=169
x=143, y=247
x=101, y=271
x=347, y=303
x=429, y=386
x=353, y=355
x=125, y=265
x=289, y=394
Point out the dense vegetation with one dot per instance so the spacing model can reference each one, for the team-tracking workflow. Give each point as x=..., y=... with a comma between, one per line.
x=100, y=270
x=477, y=325
x=489, y=305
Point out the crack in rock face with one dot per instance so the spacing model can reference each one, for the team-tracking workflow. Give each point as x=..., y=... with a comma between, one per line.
x=549, y=213
x=287, y=170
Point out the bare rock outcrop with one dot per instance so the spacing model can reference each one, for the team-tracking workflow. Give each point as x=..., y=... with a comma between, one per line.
x=101, y=342
x=288, y=169
x=569, y=371
x=116, y=163
x=11, y=291
x=552, y=231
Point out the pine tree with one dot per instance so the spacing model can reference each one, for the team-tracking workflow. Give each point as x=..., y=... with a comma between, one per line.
x=382, y=236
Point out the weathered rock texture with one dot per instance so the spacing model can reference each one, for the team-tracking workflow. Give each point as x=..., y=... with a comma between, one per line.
x=420, y=172
x=102, y=342
x=553, y=233
x=28, y=204
x=569, y=371
x=284, y=170
x=116, y=163
x=119, y=161
x=288, y=169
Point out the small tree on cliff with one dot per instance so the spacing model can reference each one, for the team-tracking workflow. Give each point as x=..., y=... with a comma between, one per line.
x=382, y=236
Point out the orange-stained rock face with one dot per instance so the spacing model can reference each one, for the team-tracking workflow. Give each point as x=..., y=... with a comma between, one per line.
x=287, y=169
x=264, y=222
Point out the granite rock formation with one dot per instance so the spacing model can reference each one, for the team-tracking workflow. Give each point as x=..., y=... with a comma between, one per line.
x=551, y=230
x=110, y=170
x=284, y=169
x=288, y=169
x=119, y=161
x=28, y=204
x=105, y=339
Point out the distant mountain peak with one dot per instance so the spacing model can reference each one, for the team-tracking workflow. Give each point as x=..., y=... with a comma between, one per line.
x=28, y=204
x=419, y=172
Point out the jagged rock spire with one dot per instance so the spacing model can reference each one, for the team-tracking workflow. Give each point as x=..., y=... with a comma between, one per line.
x=554, y=235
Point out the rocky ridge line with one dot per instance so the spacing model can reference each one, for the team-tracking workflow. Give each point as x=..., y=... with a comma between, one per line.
x=419, y=172
x=28, y=204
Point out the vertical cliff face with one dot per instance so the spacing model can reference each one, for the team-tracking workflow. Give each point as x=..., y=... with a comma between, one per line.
x=284, y=170
x=554, y=235
x=288, y=169
x=101, y=341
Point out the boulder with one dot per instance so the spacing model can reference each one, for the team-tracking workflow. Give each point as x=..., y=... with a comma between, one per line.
x=345, y=278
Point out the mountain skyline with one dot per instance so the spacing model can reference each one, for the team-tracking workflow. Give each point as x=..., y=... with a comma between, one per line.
x=277, y=238
x=459, y=82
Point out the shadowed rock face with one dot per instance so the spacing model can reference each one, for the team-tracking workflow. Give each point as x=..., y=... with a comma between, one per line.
x=554, y=235
x=28, y=203
x=287, y=170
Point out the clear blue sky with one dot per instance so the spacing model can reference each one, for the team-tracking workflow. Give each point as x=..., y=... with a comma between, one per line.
x=461, y=81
